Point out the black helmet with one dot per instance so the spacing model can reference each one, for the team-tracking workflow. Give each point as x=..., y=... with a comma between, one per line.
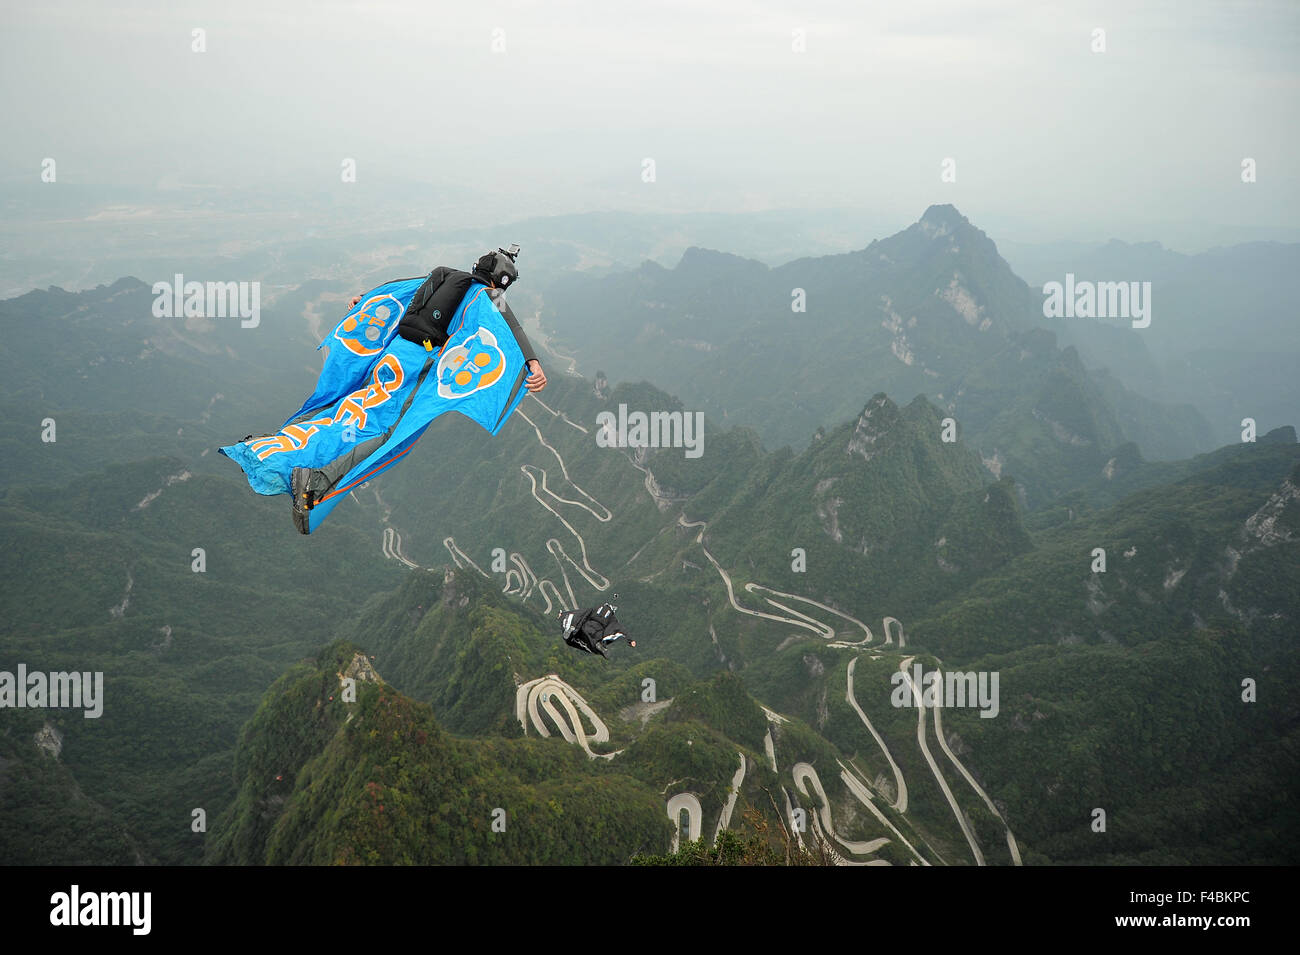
x=498, y=268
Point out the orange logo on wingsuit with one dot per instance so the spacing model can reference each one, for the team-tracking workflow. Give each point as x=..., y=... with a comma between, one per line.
x=385, y=381
x=474, y=364
x=364, y=332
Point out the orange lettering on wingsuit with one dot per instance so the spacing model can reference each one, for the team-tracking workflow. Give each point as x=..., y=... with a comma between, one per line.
x=295, y=437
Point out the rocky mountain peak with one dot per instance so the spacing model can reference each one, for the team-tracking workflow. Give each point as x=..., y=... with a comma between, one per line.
x=876, y=420
x=942, y=219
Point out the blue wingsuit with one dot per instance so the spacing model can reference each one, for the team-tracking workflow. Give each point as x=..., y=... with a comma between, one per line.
x=386, y=378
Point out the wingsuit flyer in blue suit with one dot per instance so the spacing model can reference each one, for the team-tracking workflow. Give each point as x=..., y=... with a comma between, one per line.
x=406, y=352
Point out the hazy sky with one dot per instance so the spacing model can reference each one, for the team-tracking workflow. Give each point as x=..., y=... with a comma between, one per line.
x=1044, y=132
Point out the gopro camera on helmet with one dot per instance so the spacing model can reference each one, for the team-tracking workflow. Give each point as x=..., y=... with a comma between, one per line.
x=499, y=266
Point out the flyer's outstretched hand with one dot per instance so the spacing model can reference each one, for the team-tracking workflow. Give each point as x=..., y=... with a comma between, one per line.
x=537, y=380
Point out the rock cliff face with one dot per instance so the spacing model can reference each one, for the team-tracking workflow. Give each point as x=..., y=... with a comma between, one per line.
x=1267, y=526
x=49, y=739
x=876, y=419
x=361, y=670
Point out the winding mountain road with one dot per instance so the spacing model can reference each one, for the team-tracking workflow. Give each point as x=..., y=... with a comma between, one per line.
x=1012, y=847
x=863, y=792
x=900, y=784
x=755, y=588
x=603, y=514
x=521, y=580
x=392, y=548
x=461, y=558
x=888, y=638
x=818, y=629
x=695, y=817
x=804, y=775
x=724, y=820
x=539, y=695
x=795, y=617
x=934, y=767
x=560, y=414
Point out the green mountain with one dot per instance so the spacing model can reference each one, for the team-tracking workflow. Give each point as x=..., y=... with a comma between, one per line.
x=378, y=781
x=932, y=310
x=189, y=604
x=1222, y=336
x=774, y=597
x=1151, y=640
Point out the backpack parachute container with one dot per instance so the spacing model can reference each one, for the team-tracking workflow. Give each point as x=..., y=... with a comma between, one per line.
x=594, y=630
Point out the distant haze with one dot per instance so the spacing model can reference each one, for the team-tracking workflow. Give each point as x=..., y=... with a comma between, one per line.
x=1050, y=140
